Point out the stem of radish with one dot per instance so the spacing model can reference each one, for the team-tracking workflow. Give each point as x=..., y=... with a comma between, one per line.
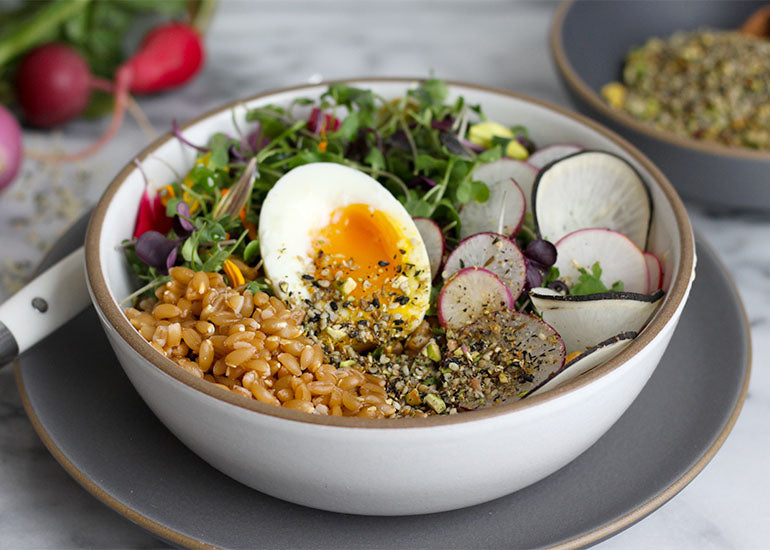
x=122, y=83
x=39, y=28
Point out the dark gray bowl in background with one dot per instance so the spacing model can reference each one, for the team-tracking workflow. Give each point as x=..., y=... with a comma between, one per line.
x=589, y=42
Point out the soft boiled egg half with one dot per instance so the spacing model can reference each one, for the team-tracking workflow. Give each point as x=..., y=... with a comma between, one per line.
x=338, y=244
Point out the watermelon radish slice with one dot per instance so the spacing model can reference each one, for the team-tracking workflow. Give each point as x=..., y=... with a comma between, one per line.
x=493, y=252
x=591, y=189
x=618, y=257
x=433, y=238
x=585, y=321
x=502, y=213
x=589, y=359
x=655, y=272
x=550, y=153
x=469, y=294
x=518, y=351
x=523, y=173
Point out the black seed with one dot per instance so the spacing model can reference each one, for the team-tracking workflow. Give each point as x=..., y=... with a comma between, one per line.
x=307, y=277
x=333, y=305
x=403, y=300
x=383, y=263
x=376, y=302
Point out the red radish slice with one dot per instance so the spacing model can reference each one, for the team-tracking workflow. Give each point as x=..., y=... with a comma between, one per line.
x=618, y=257
x=523, y=173
x=494, y=252
x=469, y=294
x=433, y=238
x=503, y=212
x=589, y=359
x=655, y=271
x=591, y=189
x=585, y=321
x=550, y=153
x=527, y=350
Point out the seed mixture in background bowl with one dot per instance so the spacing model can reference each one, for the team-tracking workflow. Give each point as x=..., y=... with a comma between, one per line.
x=705, y=84
x=349, y=255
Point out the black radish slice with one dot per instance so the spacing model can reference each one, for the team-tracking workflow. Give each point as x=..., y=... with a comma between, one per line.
x=509, y=353
x=589, y=359
x=591, y=189
x=618, y=258
x=585, y=321
x=550, y=153
x=654, y=271
x=469, y=294
x=523, y=173
x=503, y=212
x=493, y=252
x=433, y=238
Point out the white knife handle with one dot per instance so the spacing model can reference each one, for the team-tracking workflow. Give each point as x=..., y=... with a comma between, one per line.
x=46, y=303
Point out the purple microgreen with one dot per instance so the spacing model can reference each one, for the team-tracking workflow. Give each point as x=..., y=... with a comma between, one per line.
x=398, y=140
x=421, y=180
x=472, y=146
x=541, y=251
x=444, y=125
x=171, y=258
x=178, y=133
x=183, y=225
x=154, y=248
x=453, y=144
x=235, y=153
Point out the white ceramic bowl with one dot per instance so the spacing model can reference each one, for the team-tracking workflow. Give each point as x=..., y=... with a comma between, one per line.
x=392, y=466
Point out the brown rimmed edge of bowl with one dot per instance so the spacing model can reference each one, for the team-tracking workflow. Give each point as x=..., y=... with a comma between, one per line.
x=594, y=536
x=115, y=317
x=587, y=94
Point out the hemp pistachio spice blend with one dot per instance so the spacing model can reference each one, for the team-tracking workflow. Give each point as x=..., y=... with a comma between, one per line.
x=706, y=84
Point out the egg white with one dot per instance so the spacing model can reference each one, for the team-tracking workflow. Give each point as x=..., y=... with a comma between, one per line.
x=302, y=202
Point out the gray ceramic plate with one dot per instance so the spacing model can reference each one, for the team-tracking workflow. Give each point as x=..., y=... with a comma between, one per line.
x=97, y=427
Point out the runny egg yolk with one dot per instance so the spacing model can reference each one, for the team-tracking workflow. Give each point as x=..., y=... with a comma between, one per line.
x=362, y=243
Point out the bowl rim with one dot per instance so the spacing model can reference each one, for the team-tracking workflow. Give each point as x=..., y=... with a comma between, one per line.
x=587, y=94
x=113, y=315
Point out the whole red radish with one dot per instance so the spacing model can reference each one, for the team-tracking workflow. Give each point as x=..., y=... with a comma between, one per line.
x=10, y=147
x=53, y=85
x=170, y=55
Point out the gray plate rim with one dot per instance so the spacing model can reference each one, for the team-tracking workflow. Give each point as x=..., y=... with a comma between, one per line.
x=591, y=537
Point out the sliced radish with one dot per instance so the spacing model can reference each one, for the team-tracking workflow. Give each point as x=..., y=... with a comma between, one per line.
x=494, y=252
x=618, y=257
x=589, y=359
x=520, y=351
x=503, y=212
x=550, y=153
x=591, y=189
x=471, y=293
x=433, y=238
x=585, y=321
x=523, y=173
x=655, y=271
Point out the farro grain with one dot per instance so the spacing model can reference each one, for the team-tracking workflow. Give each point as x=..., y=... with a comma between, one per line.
x=252, y=345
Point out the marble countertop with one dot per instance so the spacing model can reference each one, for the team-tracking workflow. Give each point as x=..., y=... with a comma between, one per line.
x=255, y=46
